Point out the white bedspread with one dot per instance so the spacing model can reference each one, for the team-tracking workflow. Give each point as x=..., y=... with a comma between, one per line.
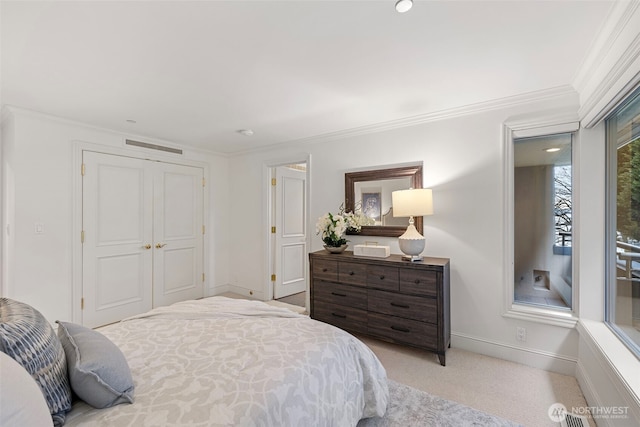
x=222, y=361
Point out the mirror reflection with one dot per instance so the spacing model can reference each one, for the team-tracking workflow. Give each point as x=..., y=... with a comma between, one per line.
x=369, y=192
x=543, y=220
x=373, y=199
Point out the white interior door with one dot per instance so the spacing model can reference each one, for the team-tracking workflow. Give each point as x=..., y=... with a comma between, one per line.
x=143, y=236
x=178, y=234
x=117, y=228
x=291, y=235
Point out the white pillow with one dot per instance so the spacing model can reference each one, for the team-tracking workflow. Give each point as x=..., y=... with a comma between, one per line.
x=23, y=403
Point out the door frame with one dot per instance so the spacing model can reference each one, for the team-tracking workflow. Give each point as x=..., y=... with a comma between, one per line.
x=268, y=217
x=77, y=148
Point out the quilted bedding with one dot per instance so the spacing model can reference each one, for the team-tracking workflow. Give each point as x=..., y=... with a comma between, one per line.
x=222, y=361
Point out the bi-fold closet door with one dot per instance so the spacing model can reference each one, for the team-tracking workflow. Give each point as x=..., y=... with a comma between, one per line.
x=142, y=236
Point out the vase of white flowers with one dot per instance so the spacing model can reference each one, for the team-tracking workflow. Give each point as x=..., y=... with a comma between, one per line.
x=332, y=228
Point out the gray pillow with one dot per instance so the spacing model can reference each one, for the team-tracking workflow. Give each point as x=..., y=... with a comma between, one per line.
x=98, y=371
x=29, y=339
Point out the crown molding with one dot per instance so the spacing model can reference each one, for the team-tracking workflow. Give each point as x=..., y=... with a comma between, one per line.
x=495, y=104
x=603, y=82
x=9, y=110
x=609, y=33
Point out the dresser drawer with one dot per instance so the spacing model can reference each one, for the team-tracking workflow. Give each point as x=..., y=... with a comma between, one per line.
x=335, y=293
x=352, y=273
x=325, y=270
x=405, y=306
x=419, y=282
x=382, y=277
x=404, y=331
x=349, y=318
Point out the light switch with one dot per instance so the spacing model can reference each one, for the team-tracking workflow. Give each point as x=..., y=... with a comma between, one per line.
x=39, y=227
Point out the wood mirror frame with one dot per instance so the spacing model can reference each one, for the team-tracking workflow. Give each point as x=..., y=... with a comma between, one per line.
x=350, y=179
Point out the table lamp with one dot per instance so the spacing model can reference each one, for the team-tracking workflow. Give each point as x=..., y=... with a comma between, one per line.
x=412, y=202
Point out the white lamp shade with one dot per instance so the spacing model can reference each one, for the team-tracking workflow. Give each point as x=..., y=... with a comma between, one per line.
x=413, y=202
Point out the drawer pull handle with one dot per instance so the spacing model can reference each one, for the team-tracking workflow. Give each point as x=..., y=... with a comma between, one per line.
x=338, y=294
x=351, y=273
x=400, y=329
x=399, y=305
x=341, y=316
x=382, y=277
x=417, y=281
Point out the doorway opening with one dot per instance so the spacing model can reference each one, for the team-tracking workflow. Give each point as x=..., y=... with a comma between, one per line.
x=288, y=239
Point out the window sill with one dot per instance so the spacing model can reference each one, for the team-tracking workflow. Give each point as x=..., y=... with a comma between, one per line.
x=623, y=362
x=542, y=315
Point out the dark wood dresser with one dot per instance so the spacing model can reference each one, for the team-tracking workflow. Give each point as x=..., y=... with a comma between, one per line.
x=386, y=298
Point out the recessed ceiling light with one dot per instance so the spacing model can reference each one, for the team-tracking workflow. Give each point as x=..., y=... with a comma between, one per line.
x=552, y=150
x=245, y=132
x=403, y=6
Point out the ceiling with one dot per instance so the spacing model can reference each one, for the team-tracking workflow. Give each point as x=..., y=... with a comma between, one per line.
x=534, y=151
x=195, y=72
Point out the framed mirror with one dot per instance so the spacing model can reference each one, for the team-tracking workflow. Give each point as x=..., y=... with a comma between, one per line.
x=370, y=192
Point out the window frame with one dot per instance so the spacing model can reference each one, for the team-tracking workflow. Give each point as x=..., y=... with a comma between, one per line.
x=611, y=208
x=527, y=129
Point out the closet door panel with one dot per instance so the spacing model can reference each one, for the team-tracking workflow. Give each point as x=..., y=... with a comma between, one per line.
x=178, y=234
x=117, y=220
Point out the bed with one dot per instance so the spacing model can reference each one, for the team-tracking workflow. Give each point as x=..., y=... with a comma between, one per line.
x=224, y=361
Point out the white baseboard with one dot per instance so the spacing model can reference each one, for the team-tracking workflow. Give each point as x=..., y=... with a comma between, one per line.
x=216, y=290
x=526, y=356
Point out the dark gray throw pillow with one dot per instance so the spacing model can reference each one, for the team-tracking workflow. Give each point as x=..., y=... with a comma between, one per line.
x=29, y=339
x=98, y=371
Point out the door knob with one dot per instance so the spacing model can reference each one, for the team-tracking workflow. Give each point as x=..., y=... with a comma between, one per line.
x=160, y=245
x=147, y=246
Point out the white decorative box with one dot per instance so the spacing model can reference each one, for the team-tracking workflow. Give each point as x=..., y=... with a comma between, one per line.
x=372, y=251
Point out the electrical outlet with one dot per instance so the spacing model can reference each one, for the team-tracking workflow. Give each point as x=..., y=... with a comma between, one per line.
x=521, y=334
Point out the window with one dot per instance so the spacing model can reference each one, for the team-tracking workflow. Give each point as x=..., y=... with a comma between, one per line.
x=562, y=209
x=623, y=223
x=542, y=221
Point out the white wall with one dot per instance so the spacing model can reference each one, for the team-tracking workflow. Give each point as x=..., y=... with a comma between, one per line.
x=463, y=164
x=39, y=162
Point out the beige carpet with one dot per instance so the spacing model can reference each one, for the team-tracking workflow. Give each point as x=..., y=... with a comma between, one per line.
x=509, y=390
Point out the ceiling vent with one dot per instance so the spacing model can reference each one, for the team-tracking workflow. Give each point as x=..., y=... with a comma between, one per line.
x=153, y=146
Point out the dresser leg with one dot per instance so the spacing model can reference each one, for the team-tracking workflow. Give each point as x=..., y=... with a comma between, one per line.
x=442, y=359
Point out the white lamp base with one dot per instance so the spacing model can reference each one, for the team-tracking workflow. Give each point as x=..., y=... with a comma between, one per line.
x=411, y=243
x=412, y=258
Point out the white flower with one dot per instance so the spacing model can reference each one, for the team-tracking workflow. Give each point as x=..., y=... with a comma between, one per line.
x=332, y=228
x=355, y=221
